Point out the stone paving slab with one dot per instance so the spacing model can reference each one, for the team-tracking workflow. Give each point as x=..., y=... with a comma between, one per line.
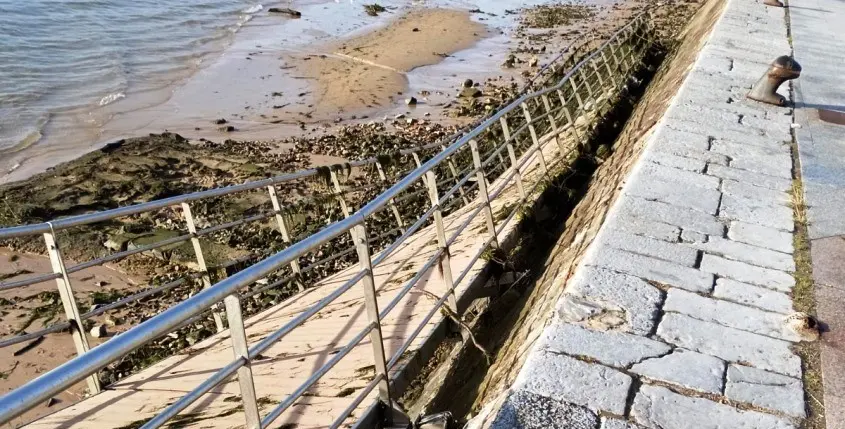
x=687, y=369
x=593, y=291
x=558, y=376
x=765, y=389
x=698, y=332
x=753, y=296
x=661, y=408
x=730, y=344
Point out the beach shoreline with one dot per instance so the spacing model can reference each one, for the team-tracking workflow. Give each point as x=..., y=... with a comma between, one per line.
x=265, y=88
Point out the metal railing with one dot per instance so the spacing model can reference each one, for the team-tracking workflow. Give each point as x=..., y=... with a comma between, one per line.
x=476, y=169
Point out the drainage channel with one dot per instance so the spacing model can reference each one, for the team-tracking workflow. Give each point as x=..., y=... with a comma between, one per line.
x=452, y=381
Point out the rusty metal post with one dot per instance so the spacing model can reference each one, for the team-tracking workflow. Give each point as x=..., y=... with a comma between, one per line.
x=598, y=74
x=359, y=237
x=391, y=203
x=338, y=191
x=240, y=348
x=584, y=79
x=454, y=171
x=284, y=229
x=535, y=141
x=783, y=68
x=517, y=176
x=483, y=195
x=418, y=163
x=446, y=259
x=570, y=118
x=552, y=122
x=74, y=317
x=201, y=263
x=574, y=86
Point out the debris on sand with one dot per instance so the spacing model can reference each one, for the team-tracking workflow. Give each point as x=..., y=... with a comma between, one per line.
x=286, y=11
x=374, y=9
x=555, y=15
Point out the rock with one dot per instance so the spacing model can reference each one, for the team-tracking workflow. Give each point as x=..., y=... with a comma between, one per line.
x=470, y=93
x=804, y=325
x=52, y=401
x=411, y=101
x=286, y=11
x=415, y=30
x=227, y=129
x=510, y=62
x=374, y=9
x=468, y=83
x=534, y=62
x=221, y=121
x=99, y=331
x=101, y=283
x=608, y=347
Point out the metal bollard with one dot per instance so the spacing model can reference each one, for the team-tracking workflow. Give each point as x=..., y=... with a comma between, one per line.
x=783, y=68
x=775, y=3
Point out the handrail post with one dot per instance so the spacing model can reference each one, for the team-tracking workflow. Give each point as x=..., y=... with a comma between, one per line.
x=574, y=86
x=240, y=348
x=535, y=141
x=284, y=229
x=446, y=257
x=610, y=78
x=454, y=171
x=201, y=264
x=598, y=75
x=359, y=236
x=418, y=163
x=338, y=191
x=483, y=195
x=583, y=76
x=570, y=118
x=77, y=327
x=517, y=175
x=552, y=122
x=391, y=203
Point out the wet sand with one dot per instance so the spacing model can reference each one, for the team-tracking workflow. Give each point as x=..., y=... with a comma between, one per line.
x=370, y=70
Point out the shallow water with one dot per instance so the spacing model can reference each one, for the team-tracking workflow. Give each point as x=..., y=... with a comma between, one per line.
x=75, y=74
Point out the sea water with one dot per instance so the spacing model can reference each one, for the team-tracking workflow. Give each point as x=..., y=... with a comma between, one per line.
x=64, y=60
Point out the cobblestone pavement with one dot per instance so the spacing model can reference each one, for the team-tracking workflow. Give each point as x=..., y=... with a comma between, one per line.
x=675, y=317
x=820, y=48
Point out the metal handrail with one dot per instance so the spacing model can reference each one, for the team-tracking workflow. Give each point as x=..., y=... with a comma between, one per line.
x=39, y=390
